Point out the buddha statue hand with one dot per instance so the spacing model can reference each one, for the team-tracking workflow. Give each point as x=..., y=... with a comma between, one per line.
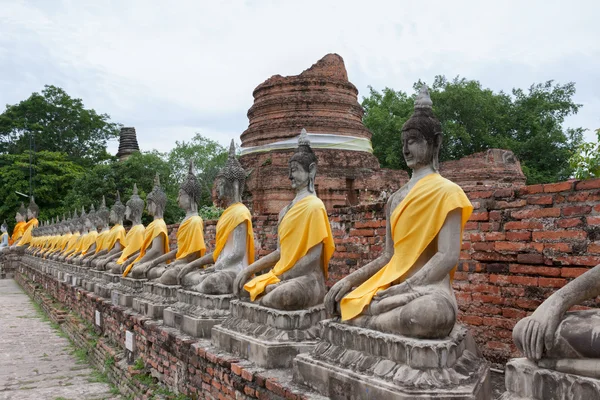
x=240, y=280
x=336, y=294
x=535, y=334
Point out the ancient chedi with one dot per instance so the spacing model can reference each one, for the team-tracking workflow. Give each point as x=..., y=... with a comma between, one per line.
x=128, y=143
x=322, y=101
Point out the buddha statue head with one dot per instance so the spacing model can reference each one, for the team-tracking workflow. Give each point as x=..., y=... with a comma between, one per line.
x=156, y=201
x=189, y=191
x=74, y=222
x=32, y=209
x=134, y=207
x=102, y=215
x=231, y=179
x=90, y=220
x=422, y=134
x=4, y=227
x=117, y=212
x=303, y=165
x=21, y=214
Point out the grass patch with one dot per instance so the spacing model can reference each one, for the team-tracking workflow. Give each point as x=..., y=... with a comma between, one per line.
x=109, y=362
x=98, y=377
x=138, y=365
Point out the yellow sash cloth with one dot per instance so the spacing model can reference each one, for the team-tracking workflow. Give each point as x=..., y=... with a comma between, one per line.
x=415, y=223
x=51, y=244
x=133, y=242
x=100, y=241
x=26, y=238
x=155, y=229
x=190, y=237
x=304, y=226
x=65, y=240
x=72, y=243
x=116, y=233
x=18, y=232
x=233, y=216
x=90, y=240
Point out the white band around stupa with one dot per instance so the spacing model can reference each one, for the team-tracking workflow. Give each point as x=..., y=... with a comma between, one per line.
x=317, y=141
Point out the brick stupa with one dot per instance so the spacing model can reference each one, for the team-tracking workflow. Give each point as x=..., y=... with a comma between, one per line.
x=322, y=101
x=128, y=143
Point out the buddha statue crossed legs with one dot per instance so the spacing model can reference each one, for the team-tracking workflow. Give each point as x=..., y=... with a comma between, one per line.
x=407, y=290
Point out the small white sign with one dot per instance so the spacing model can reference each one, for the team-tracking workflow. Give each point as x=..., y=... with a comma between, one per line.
x=114, y=297
x=129, y=341
x=74, y=280
x=97, y=318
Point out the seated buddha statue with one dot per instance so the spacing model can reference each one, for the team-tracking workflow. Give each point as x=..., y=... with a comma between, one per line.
x=47, y=238
x=102, y=225
x=56, y=238
x=65, y=236
x=294, y=274
x=156, y=236
x=19, y=228
x=234, y=248
x=560, y=340
x=76, y=229
x=87, y=241
x=407, y=290
x=190, y=235
x=32, y=222
x=3, y=235
x=115, y=239
x=119, y=261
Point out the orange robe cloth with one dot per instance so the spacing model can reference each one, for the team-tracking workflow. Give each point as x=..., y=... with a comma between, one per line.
x=304, y=226
x=190, y=237
x=88, y=242
x=415, y=223
x=133, y=242
x=155, y=229
x=233, y=216
x=72, y=242
x=18, y=232
x=116, y=233
x=29, y=226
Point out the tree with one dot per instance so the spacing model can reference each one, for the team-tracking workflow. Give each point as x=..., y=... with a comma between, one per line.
x=586, y=160
x=53, y=121
x=475, y=119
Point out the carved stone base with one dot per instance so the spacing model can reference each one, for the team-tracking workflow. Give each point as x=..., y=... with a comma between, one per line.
x=195, y=313
x=126, y=290
x=355, y=363
x=526, y=381
x=105, y=287
x=270, y=338
x=154, y=298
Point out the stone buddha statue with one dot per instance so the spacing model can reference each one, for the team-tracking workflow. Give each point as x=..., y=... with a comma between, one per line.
x=407, y=290
x=118, y=262
x=190, y=235
x=32, y=222
x=102, y=222
x=74, y=226
x=234, y=249
x=47, y=238
x=19, y=228
x=56, y=232
x=65, y=236
x=3, y=235
x=115, y=239
x=560, y=340
x=88, y=236
x=294, y=274
x=156, y=236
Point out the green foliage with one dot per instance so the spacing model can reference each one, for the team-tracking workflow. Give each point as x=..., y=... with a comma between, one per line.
x=586, y=160
x=475, y=119
x=56, y=122
x=210, y=212
x=138, y=365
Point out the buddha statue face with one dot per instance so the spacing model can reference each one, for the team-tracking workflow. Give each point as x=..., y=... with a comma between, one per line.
x=417, y=151
x=303, y=165
x=113, y=217
x=19, y=217
x=299, y=176
x=128, y=213
x=30, y=214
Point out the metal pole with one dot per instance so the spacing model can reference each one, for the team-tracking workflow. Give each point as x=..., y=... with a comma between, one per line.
x=30, y=151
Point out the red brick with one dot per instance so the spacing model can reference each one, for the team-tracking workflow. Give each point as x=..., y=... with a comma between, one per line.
x=518, y=246
x=557, y=187
x=275, y=387
x=560, y=247
x=593, y=220
x=588, y=184
x=362, y=232
x=569, y=222
x=501, y=205
x=530, y=258
x=594, y=248
x=569, y=272
x=513, y=313
x=531, y=189
x=499, y=279
x=519, y=225
x=536, y=213
x=575, y=211
x=579, y=260
x=494, y=236
x=504, y=193
x=479, y=216
x=483, y=246
x=461, y=276
x=552, y=282
x=518, y=236
x=492, y=256
x=476, y=237
x=489, y=226
x=556, y=235
x=367, y=224
x=523, y=280
x=495, y=215
x=578, y=197
x=534, y=270
x=541, y=200
x=472, y=320
x=481, y=195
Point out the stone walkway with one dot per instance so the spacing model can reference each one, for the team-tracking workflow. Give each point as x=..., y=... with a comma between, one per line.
x=36, y=362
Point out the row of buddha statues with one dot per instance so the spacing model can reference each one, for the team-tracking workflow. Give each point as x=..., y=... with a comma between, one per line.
x=405, y=291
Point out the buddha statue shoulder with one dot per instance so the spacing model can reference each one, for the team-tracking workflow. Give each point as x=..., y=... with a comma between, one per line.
x=234, y=249
x=118, y=261
x=19, y=228
x=294, y=275
x=190, y=235
x=407, y=290
x=32, y=222
x=114, y=241
x=156, y=236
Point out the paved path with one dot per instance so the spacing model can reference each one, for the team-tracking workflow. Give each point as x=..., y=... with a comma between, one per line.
x=35, y=361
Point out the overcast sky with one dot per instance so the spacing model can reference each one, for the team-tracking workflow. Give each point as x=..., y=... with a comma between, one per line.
x=171, y=69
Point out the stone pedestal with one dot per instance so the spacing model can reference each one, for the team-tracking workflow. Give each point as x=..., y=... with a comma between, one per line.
x=527, y=381
x=153, y=300
x=268, y=337
x=126, y=290
x=106, y=286
x=195, y=313
x=10, y=259
x=356, y=363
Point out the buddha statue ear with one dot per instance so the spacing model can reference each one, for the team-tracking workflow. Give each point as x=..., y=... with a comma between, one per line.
x=237, y=196
x=312, y=174
x=437, y=144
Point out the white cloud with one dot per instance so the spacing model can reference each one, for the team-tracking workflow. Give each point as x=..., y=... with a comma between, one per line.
x=173, y=69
